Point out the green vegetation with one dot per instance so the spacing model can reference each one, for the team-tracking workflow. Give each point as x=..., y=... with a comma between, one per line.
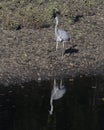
x=37, y=13
x=78, y=33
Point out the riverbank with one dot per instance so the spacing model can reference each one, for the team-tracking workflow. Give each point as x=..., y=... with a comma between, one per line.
x=29, y=54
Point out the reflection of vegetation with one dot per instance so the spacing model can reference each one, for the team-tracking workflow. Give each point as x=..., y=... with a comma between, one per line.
x=16, y=13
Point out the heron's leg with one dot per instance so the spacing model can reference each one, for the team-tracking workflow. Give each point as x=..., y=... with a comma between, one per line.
x=63, y=49
x=54, y=85
x=61, y=83
x=56, y=45
x=63, y=44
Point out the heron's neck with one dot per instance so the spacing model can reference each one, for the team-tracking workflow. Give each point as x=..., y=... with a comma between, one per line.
x=56, y=26
x=51, y=104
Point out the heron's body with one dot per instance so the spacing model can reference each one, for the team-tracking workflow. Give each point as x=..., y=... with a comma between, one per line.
x=57, y=93
x=62, y=35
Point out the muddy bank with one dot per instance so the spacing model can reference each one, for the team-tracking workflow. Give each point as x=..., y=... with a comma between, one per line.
x=29, y=54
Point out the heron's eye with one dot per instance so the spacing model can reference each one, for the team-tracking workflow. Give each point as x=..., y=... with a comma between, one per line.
x=54, y=15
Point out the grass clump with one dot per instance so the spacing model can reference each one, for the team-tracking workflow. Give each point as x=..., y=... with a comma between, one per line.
x=15, y=14
x=29, y=14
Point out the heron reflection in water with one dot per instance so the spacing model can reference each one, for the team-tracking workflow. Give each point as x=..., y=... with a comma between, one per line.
x=57, y=92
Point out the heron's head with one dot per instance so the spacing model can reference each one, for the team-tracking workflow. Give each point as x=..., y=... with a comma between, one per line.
x=55, y=13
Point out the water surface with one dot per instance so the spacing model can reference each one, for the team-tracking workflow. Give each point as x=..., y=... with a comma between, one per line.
x=26, y=107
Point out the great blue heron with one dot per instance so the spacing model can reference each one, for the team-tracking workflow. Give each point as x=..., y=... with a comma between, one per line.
x=61, y=35
x=57, y=93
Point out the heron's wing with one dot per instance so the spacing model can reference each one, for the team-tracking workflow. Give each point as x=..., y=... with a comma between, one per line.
x=63, y=34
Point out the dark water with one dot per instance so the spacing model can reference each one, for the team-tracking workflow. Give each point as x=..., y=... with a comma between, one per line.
x=26, y=107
